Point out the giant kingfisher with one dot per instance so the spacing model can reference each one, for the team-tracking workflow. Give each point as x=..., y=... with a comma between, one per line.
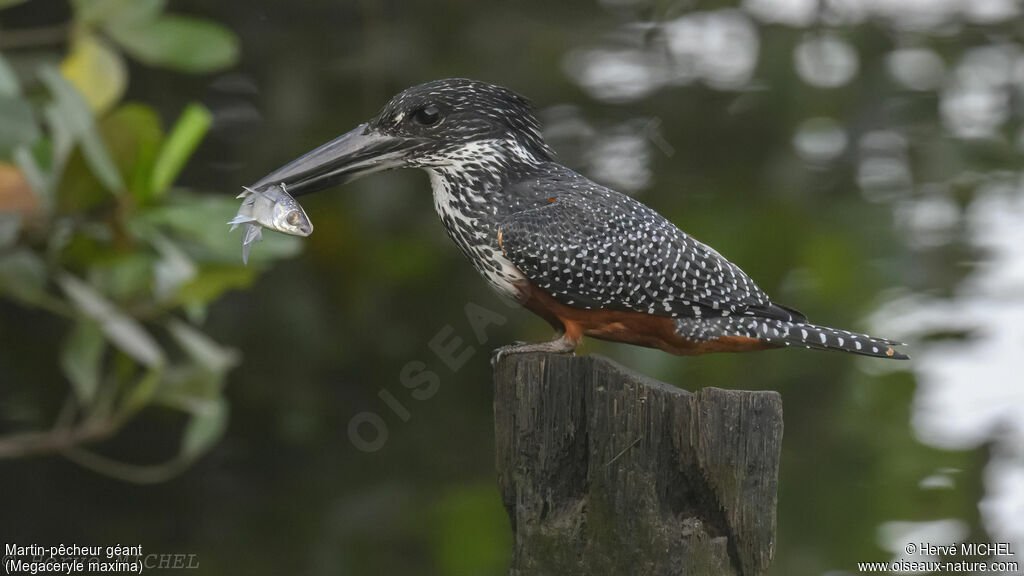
x=589, y=260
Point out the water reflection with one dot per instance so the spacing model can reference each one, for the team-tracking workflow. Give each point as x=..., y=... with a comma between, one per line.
x=940, y=480
x=883, y=171
x=976, y=102
x=798, y=13
x=820, y=140
x=969, y=389
x=929, y=220
x=618, y=155
x=916, y=68
x=894, y=537
x=825, y=61
x=616, y=75
x=906, y=15
x=621, y=158
x=718, y=48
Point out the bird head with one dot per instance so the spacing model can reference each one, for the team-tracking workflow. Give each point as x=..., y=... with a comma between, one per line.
x=438, y=124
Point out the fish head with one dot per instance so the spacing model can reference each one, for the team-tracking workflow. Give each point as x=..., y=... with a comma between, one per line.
x=288, y=216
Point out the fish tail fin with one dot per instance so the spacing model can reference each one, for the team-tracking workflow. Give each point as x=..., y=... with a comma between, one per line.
x=253, y=234
x=240, y=219
x=249, y=192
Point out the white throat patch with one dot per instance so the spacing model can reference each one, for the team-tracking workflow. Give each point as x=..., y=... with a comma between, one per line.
x=460, y=199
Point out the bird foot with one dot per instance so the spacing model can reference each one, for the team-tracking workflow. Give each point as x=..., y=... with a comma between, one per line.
x=558, y=346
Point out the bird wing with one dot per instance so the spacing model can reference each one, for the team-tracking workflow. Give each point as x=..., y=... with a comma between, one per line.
x=599, y=249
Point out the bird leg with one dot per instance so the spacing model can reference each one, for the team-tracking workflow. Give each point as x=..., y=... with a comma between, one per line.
x=561, y=344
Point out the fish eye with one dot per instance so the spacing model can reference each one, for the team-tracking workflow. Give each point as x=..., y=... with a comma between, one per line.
x=292, y=218
x=427, y=115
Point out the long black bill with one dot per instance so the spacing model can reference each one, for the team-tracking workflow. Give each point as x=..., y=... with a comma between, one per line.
x=356, y=153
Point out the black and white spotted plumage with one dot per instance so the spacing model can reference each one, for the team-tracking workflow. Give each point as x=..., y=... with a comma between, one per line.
x=593, y=248
x=780, y=332
x=522, y=218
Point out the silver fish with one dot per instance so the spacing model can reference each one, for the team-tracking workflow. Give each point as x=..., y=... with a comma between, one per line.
x=271, y=208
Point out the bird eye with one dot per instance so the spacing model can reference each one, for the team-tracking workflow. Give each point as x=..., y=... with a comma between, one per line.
x=428, y=115
x=293, y=218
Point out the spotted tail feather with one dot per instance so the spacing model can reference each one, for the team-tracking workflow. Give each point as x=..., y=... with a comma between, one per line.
x=788, y=333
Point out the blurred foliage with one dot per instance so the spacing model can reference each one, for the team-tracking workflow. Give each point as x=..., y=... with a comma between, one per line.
x=93, y=232
x=470, y=539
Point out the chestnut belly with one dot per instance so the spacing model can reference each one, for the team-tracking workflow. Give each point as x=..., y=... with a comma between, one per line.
x=626, y=326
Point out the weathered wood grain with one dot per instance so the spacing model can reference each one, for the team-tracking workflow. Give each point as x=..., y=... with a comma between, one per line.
x=604, y=471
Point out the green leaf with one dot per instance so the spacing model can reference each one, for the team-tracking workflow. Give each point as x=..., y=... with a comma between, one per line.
x=81, y=359
x=189, y=387
x=61, y=141
x=205, y=428
x=135, y=11
x=9, y=85
x=201, y=348
x=143, y=391
x=122, y=12
x=125, y=277
x=96, y=11
x=23, y=276
x=122, y=330
x=70, y=110
x=18, y=124
x=178, y=42
x=172, y=270
x=214, y=281
x=10, y=225
x=40, y=181
x=134, y=136
x=6, y=3
x=186, y=135
x=196, y=312
x=79, y=190
x=96, y=70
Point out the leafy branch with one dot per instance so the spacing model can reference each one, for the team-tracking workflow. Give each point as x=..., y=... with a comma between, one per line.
x=94, y=233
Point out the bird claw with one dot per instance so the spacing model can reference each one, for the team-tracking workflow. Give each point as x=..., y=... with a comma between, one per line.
x=503, y=351
x=557, y=346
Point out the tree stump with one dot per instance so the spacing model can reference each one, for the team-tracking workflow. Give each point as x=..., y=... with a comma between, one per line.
x=604, y=471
